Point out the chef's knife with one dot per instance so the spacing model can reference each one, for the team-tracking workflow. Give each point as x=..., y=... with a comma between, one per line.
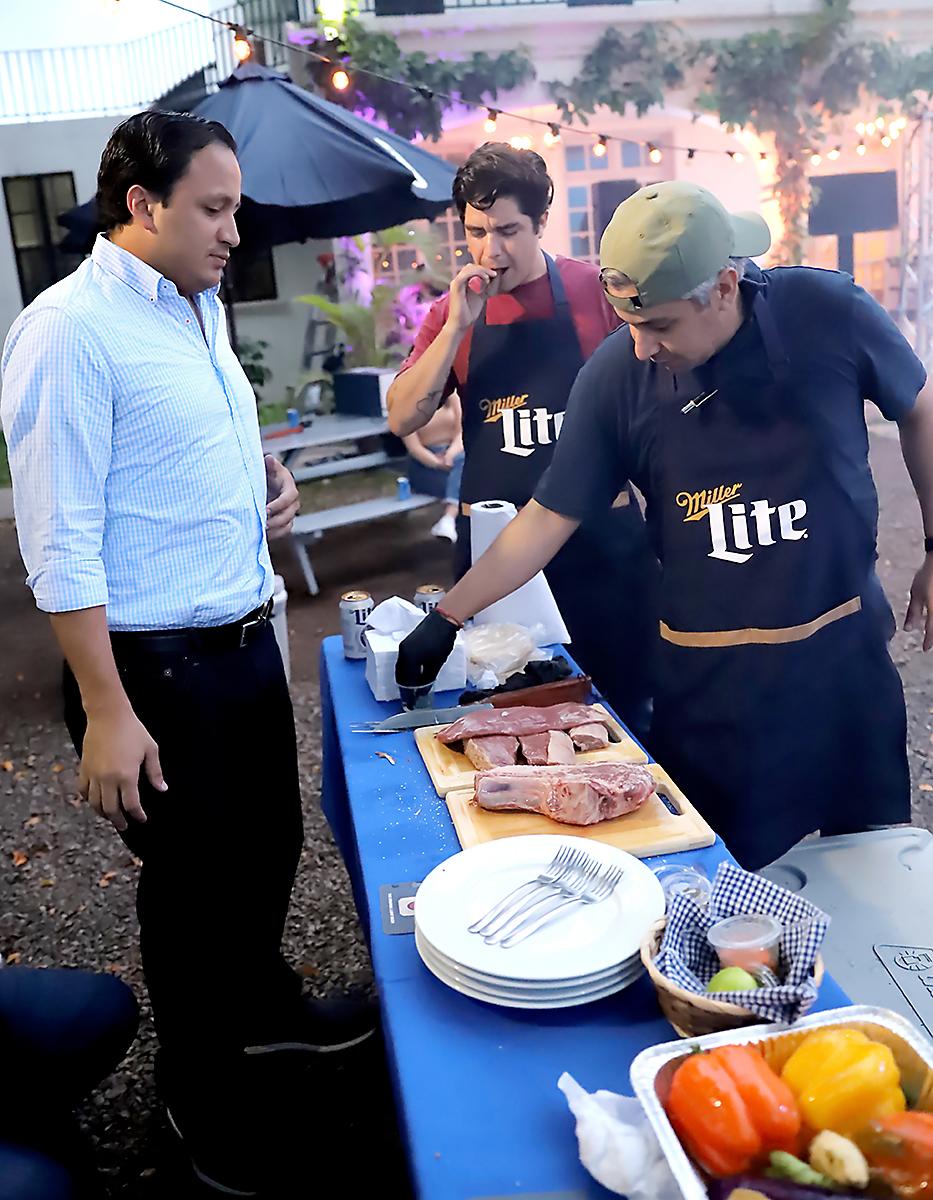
x=418, y=719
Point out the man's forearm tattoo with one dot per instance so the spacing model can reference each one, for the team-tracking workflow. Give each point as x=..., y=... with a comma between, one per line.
x=427, y=405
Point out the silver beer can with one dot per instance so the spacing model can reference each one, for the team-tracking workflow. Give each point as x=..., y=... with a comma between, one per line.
x=429, y=596
x=355, y=608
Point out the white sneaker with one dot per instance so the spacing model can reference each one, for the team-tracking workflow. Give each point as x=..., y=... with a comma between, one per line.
x=446, y=527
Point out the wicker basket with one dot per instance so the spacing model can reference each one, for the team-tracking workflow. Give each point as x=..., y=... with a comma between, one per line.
x=690, y=1014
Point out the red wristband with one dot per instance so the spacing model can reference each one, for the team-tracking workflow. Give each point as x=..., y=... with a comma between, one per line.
x=447, y=617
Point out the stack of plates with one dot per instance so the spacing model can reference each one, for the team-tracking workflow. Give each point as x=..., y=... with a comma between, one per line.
x=586, y=952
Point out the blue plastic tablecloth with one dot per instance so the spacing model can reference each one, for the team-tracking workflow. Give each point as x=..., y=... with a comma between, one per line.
x=475, y=1085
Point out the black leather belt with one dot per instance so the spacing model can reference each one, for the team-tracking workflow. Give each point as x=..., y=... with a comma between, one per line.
x=214, y=638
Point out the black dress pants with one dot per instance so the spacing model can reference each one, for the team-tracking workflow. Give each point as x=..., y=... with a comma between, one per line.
x=220, y=847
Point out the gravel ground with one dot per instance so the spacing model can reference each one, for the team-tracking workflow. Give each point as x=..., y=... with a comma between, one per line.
x=67, y=882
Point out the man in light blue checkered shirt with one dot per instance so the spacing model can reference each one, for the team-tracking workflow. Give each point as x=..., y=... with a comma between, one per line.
x=143, y=508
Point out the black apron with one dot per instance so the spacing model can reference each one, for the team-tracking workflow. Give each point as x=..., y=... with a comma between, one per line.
x=605, y=579
x=778, y=709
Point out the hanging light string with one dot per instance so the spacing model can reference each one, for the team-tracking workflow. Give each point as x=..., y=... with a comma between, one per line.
x=341, y=79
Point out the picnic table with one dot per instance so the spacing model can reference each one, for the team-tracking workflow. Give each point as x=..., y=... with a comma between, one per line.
x=475, y=1085
x=335, y=430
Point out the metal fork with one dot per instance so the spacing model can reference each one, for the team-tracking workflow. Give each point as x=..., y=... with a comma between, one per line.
x=578, y=868
x=564, y=861
x=592, y=891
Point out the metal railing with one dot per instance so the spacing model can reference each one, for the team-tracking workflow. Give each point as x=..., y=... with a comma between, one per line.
x=185, y=61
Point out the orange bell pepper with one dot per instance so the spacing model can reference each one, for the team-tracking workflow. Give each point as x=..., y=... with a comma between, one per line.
x=730, y=1110
x=899, y=1150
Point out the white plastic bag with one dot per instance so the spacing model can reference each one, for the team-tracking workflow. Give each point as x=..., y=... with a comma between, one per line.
x=617, y=1145
x=494, y=652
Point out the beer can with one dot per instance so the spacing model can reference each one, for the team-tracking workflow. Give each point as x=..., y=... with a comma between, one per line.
x=429, y=596
x=404, y=487
x=293, y=417
x=355, y=608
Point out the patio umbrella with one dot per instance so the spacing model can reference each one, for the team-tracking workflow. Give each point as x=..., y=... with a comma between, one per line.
x=310, y=168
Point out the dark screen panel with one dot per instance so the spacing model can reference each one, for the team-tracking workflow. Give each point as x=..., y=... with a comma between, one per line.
x=859, y=203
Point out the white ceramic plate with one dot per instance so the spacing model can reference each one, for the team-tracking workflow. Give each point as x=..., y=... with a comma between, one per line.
x=534, y=993
x=466, y=988
x=586, y=940
x=530, y=985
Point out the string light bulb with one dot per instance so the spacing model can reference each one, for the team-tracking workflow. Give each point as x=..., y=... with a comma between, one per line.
x=860, y=148
x=490, y=123
x=894, y=132
x=340, y=80
x=901, y=123
x=552, y=137
x=815, y=159
x=860, y=129
x=834, y=153
x=654, y=153
x=521, y=141
x=735, y=155
x=762, y=155
x=599, y=150
x=242, y=47
x=691, y=153
x=886, y=141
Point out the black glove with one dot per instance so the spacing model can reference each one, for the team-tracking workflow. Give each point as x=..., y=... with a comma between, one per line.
x=422, y=654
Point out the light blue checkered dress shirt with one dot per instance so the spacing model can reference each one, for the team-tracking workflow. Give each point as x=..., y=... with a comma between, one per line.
x=138, y=476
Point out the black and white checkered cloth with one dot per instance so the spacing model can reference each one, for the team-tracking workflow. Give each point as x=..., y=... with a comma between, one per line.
x=689, y=961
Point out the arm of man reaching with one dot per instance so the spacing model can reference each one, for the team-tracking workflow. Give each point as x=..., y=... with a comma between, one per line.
x=916, y=432
x=58, y=417
x=584, y=477
x=415, y=394
x=525, y=546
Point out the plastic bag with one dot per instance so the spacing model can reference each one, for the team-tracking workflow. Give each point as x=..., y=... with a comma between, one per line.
x=494, y=652
x=617, y=1145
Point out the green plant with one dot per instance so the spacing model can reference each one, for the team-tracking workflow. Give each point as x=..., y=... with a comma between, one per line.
x=623, y=69
x=363, y=328
x=252, y=356
x=477, y=79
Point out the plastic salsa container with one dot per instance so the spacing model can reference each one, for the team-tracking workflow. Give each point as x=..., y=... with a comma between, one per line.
x=747, y=941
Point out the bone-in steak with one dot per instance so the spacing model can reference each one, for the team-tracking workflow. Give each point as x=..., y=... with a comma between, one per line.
x=519, y=722
x=575, y=795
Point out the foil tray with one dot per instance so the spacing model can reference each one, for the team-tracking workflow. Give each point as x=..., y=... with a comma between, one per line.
x=652, y=1070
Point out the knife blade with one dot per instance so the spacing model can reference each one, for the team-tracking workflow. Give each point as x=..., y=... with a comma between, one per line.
x=420, y=718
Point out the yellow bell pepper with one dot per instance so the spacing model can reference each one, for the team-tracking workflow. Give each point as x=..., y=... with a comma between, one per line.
x=843, y=1080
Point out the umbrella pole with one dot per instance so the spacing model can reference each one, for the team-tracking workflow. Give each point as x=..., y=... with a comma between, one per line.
x=227, y=292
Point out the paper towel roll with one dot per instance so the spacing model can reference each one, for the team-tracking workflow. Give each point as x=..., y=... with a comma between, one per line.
x=533, y=603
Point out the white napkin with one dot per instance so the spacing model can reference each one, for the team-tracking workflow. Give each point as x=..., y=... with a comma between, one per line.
x=617, y=1145
x=395, y=616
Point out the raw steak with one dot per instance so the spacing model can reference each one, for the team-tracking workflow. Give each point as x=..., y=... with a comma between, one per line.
x=519, y=722
x=541, y=749
x=579, y=795
x=486, y=752
x=589, y=737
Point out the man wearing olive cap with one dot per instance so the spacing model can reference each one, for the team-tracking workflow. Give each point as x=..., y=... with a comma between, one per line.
x=734, y=402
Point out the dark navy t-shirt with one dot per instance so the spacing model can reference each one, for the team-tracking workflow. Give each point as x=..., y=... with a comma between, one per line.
x=842, y=348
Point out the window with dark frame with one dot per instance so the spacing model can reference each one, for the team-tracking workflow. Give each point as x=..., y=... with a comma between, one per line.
x=252, y=275
x=34, y=203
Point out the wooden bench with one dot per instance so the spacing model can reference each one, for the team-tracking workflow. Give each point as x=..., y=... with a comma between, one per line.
x=311, y=526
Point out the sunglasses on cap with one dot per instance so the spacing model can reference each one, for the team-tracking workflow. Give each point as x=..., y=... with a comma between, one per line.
x=619, y=289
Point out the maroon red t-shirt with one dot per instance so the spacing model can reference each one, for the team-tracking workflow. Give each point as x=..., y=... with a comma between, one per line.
x=592, y=313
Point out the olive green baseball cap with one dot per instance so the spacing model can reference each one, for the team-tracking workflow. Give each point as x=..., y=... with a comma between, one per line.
x=668, y=238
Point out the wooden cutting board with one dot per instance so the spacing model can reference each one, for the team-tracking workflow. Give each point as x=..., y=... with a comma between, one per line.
x=653, y=829
x=451, y=770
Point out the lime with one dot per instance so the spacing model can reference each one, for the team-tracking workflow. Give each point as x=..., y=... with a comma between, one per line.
x=732, y=979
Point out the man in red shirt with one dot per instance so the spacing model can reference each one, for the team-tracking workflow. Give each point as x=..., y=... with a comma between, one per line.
x=510, y=337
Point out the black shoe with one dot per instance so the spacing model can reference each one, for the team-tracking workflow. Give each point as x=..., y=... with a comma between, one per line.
x=211, y=1118
x=327, y=1025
